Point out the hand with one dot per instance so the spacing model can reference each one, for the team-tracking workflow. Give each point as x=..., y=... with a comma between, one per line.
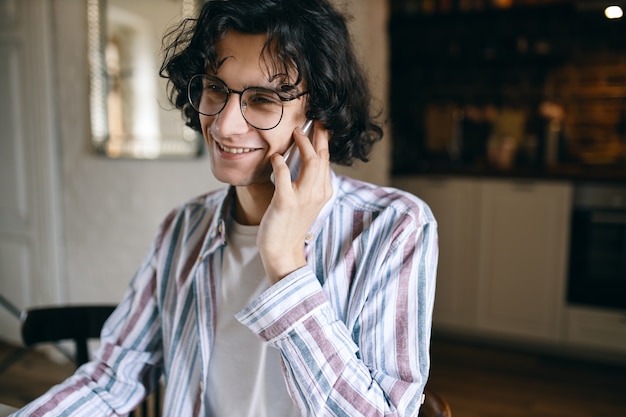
x=295, y=205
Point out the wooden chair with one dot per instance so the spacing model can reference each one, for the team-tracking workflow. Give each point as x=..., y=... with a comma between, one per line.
x=435, y=405
x=78, y=323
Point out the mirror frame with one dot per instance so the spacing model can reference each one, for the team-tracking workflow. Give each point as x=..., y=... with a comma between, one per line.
x=189, y=144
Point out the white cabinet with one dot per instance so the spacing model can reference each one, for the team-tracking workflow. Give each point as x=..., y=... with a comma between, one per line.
x=524, y=237
x=595, y=328
x=503, y=254
x=503, y=248
x=455, y=204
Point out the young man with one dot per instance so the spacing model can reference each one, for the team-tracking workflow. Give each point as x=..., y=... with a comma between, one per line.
x=310, y=297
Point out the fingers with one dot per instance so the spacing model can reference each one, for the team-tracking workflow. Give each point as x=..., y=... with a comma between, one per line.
x=312, y=152
x=321, y=138
x=281, y=174
x=314, y=146
x=315, y=173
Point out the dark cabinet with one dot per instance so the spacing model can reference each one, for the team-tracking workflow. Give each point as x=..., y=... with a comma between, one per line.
x=463, y=83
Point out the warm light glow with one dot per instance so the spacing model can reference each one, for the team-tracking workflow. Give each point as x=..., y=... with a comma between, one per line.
x=613, y=12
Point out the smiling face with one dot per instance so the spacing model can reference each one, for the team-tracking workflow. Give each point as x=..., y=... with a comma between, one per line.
x=240, y=153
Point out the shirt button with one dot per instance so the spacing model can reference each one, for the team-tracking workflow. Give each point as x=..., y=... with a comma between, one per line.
x=309, y=237
x=200, y=258
x=201, y=386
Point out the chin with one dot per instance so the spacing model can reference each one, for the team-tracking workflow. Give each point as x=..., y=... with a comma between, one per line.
x=238, y=180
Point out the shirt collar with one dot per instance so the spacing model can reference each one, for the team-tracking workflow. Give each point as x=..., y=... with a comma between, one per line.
x=216, y=232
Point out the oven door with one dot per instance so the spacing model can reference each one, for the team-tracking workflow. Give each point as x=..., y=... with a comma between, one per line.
x=597, y=269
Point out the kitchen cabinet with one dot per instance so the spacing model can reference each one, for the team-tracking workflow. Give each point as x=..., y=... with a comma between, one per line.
x=503, y=248
x=539, y=63
x=595, y=328
x=524, y=236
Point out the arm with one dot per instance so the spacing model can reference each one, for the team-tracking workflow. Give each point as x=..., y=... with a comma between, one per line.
x=379, y=363
x=120, y=376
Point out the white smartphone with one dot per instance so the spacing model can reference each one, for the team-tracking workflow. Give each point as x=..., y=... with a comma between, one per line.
x=292, y=154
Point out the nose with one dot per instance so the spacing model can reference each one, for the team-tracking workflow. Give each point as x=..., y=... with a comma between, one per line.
x=230, y=120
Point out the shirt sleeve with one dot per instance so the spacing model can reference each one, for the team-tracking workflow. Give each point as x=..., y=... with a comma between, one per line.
x=126, y=365
x=374, y=364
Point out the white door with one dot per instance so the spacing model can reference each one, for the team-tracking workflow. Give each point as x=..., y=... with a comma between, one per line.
x=30, y=252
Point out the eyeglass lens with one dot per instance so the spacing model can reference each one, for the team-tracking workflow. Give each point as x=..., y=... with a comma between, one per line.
x=261, y=107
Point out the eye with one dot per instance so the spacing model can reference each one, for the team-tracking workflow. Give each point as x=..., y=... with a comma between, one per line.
x=262, y=97
x=214, y=86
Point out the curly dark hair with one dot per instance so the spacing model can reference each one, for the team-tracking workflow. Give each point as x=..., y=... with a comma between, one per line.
x=308, y=37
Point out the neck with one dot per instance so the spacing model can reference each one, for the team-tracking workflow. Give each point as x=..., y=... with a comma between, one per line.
x=252, y=202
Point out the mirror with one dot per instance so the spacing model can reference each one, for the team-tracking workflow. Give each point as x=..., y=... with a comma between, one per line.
x=131, y=116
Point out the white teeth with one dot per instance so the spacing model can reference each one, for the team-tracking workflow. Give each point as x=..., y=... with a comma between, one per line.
x=235, y=150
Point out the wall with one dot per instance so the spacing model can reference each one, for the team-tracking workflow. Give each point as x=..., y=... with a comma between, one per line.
x=111, y=208
x=369, y=30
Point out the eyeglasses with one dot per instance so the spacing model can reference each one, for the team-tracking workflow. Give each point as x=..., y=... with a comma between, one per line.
x=261, y=107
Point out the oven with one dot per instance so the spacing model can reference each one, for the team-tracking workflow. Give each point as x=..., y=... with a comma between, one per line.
x=597, y=266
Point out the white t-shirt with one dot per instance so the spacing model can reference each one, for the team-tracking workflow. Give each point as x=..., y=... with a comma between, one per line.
x=245, y=373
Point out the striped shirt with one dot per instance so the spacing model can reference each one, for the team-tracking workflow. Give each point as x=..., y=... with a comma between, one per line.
x=353, y=325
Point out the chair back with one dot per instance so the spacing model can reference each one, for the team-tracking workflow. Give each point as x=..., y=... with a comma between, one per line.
x=435, y=405
x=78, y=323
x=54, y=324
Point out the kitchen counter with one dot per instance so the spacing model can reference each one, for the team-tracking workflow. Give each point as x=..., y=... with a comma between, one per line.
x=567, y=172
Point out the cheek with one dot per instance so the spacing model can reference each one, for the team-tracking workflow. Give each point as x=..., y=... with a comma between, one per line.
x=205, y=125
x=279, y=138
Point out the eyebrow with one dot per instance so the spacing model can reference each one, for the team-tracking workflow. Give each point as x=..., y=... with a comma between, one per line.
x=220, y=62
x=283, y=87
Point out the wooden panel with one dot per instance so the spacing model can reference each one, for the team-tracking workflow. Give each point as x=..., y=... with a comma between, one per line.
x=14, y=202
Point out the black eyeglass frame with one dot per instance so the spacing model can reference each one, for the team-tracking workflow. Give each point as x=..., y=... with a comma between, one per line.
x=240, y=94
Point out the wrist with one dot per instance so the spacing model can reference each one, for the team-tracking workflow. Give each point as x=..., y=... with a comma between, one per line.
x=278, y=267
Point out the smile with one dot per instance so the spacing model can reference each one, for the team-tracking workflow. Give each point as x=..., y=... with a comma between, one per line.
x=234, y=150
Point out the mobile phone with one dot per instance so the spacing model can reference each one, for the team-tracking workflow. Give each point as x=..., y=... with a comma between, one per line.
x=292, y=154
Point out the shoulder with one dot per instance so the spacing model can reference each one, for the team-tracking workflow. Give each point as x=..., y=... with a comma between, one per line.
x=196, y=215
x=200, y=206
x=384, y=201
x=210, y=202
